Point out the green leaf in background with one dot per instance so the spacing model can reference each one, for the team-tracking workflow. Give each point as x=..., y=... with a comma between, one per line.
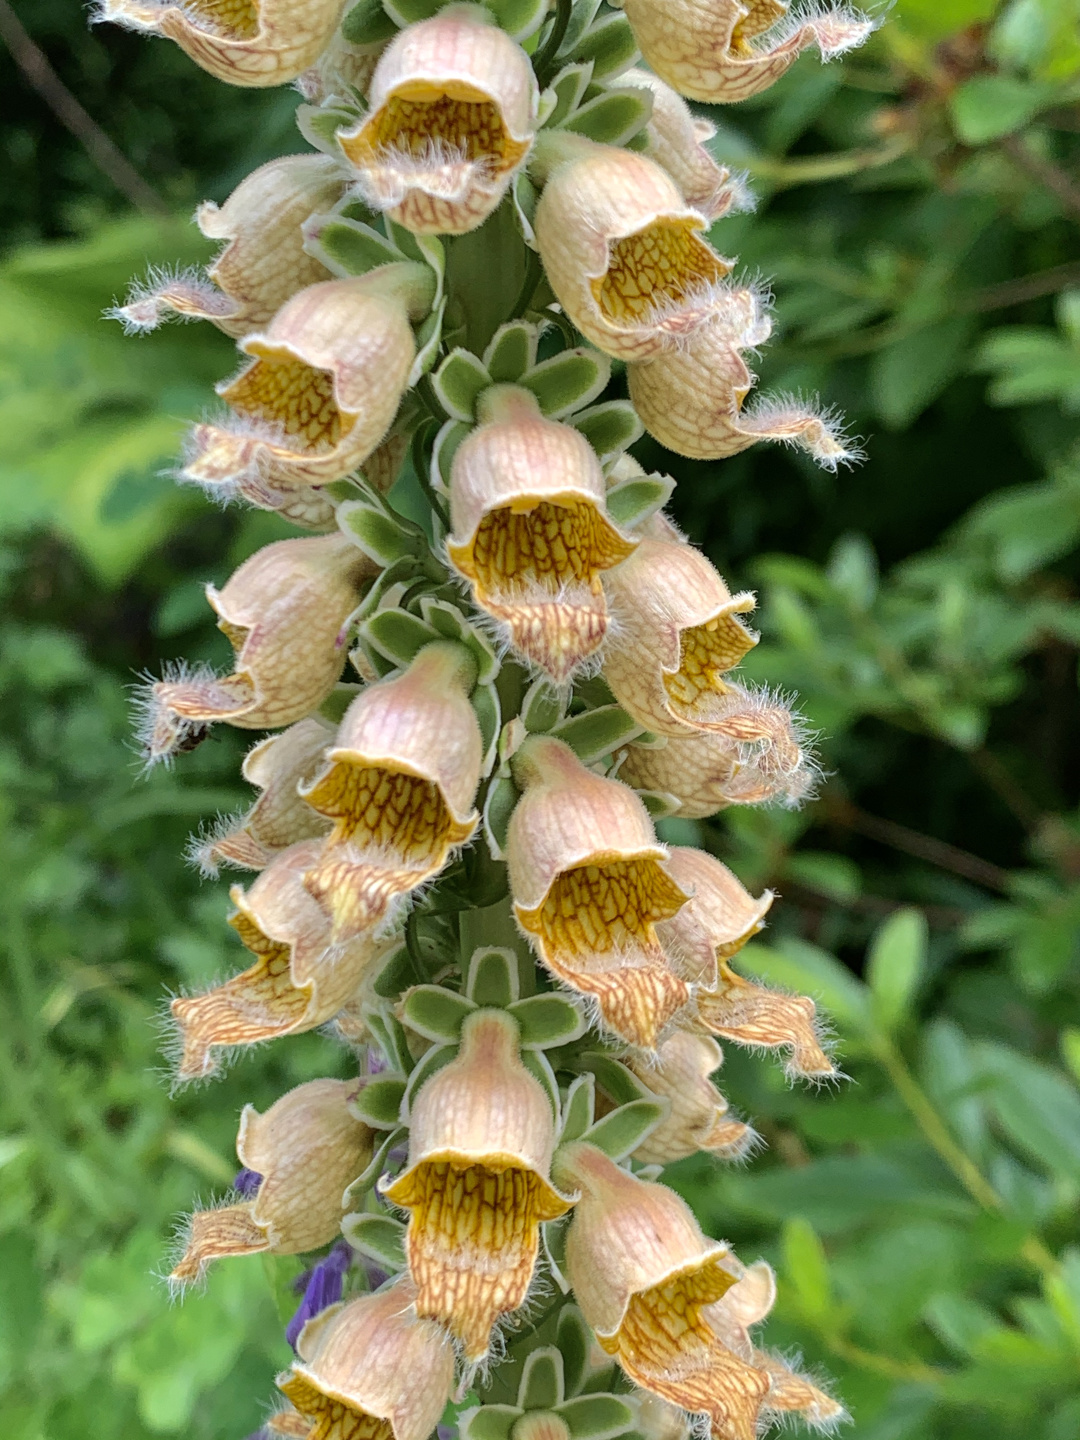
x=798, y=966
x=807, y=1269
x=895, y=965
x=911, y=372
x=989, y=106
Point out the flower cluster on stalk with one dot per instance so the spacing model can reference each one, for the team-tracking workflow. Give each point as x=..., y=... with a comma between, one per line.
x=478, y=716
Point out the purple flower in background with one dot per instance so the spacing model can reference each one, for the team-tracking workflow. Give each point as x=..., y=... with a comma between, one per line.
x=322, y=1288
x=247, y=1183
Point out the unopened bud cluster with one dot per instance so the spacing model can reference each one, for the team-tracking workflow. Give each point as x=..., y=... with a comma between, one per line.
x=476, y=720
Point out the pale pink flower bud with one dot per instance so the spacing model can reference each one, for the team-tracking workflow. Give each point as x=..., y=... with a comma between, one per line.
x=370, y=1370
x=645, y=1277
x=306, y=1149
x=675, y=630
x=590, y=884
x=278, y=818
x=452, y=114
x=398, y=783
x=530, y=532
x=691, y=400
x=721, y=51
x=676, y=140
x=698, y=1118
x=340, y=69
x=756, y=752
x=712, y=926
x=623, y=252
x=244, y=42
x=320, y=393
x=481, y=1134
x=263, y=262
x=282, y=612
x=298, y=981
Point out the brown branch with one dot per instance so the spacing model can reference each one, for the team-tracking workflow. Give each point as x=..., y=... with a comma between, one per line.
x=1045, y=172
x=922, y=847
x=1023, y=287
x=104, y=152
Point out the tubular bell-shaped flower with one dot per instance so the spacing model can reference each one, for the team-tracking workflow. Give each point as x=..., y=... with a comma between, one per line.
x=590, y=883
x=298, y=981
x=305, y=1150
x=370, y=1370
x=691, y=399
x=321, y=391
x=645, y=1277
x=282, y=612
x=675, y=629
x=530, y=532
x=452, y=114
x=711, y=927
x=698, y=1118
x=244, y=42
x=623, y=250
x=398, y=783
x=721, y=51
x=263, y=262
x=477, y=1184
x=676, y=140
x=278, y=818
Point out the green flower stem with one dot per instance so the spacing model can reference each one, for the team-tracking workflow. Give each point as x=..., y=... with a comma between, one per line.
x=543, y=62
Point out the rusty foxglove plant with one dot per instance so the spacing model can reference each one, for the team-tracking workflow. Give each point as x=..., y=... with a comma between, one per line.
x=479, y=695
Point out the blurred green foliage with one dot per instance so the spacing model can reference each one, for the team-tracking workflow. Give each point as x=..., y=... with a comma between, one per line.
x=919, y=222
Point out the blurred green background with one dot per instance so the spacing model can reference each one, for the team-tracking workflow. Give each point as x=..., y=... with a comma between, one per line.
x=919, y=222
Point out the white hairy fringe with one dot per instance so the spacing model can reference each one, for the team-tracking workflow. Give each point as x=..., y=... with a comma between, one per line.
x=171, y=1043
x=837, y=28
x=716, y=304
x=199, y=846
x=439, y=169
x=147, y=707
x=768, y=412
x=178, y=1243
x=146, y=306
x=246, y=427
x=817, y=1377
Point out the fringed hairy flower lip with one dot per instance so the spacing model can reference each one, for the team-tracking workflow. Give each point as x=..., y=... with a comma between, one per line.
x=263, y=262
x=675, y=630
x=645, y=1276
x=623, y=252
x=692, y=400
x=452, y=114
x=398, y=784
x=307, y=1148
x=698, y=1118
x=320, y=393
x=721, y=51
x=243, y=42
x=530, y=532
x=282, y=612
x=298, y=981
x=477, y=1183
x=371, y=1370
x=589, y=884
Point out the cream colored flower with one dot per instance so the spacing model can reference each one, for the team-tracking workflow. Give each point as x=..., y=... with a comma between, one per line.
x=698, y=1118
x=675, y=630
x=624, y=253
x=244, y=42
x=298, y=981
x=320, y=393
x=305, y=1150
x=370, y=1370
x=452, y=113
x=530, y=532
x=263, y=262
x=282, y=612
x=481, y=1133
x=398, y=784
x=721, y=51
x=590, y=884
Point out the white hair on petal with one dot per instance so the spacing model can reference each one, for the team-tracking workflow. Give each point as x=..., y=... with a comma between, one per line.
x=794, y=419
x=836, y=28
x=149, y=304
x=159, y=733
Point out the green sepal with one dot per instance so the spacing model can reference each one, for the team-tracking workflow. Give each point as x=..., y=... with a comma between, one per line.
x=367, y=23
x=613, y=117
x=378, y=1104
x=525, y=198
x=610, y=44
x=578, y=1108
x=447, y=441
x=428, y=340
x=609, y=428
x=488, y=712
x=319, y=124
x=622, y=1131
x=511, y=351
x=493, y=977
x=567, y=88
x=617, y=1082
x=548, y=1020
x=597, y=1417
x=384, y=536
x=542, y=1386
x=348, y=247
x=633, y=501
x=338, y=701
x=386, y=1028
x=554, y=1233
x=499, y=803
x=575, y=1341
x=581, y=17
x=537, y=1065
x=410, y=12
x=379, y=1237
x=363, y=1183
x=519, y=18
x=488, y=1422
x=659, y=803
x=603, y=1382
x=435, y=1059
x=374, y=662
x=597, y=733
x=395, y=974
x=436, y=1013
x=397, y=634
x=568, y=380
x=543, y=707
x=452, y=624
x=459, y=381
